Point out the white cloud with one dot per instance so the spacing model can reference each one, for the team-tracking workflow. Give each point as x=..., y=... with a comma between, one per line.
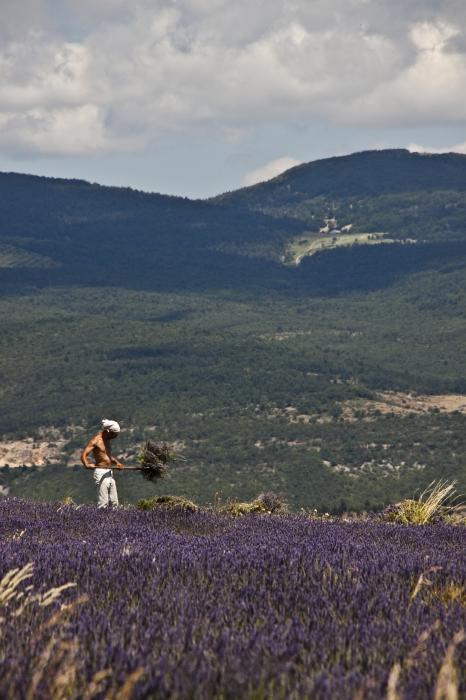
x=458, y=148
x=39, y=74
x=427, y=92
x=109, y=75
x=62, y=131
x=270, y=170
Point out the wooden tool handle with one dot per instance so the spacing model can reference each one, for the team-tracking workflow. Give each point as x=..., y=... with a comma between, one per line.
x=125, y=469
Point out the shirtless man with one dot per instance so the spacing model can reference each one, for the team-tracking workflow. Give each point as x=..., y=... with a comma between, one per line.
x=101, y=450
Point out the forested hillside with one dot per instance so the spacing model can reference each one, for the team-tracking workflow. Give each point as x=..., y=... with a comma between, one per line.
x=401, y=193
x=180, y=319
x=88, y=234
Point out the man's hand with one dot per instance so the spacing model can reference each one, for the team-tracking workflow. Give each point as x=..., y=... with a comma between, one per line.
x=119, y=465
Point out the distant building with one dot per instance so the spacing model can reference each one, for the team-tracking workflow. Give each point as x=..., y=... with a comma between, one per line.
x=330, y=224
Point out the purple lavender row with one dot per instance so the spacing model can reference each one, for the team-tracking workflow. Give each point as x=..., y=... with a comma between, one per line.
x=183, y=605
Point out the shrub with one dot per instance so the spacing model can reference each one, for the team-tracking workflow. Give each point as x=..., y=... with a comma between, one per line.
x=244, y=508
x=433, y=505
x=272, y=502
x=265, y=503
x=168, y=503
x=68, y=501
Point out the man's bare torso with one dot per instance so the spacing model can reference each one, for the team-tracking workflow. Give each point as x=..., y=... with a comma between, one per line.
x=101, y=451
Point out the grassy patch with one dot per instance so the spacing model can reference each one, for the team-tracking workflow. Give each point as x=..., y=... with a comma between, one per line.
x=309, y=245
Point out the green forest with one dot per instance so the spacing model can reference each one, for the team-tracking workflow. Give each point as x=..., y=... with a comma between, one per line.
x=178, y=319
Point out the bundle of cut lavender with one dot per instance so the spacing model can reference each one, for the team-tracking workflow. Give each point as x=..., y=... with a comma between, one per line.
x=155, y=457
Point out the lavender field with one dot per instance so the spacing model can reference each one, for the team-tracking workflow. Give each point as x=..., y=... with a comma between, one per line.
x=198, y=605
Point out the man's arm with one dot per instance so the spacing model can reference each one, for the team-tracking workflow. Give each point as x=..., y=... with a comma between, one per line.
x=118, y=464
x=86, y=452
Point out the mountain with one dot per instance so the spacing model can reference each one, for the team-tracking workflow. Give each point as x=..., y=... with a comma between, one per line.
x=79, y=232
x=361, y=174
x=406, y=195
x=365, y=174
x=305, y=335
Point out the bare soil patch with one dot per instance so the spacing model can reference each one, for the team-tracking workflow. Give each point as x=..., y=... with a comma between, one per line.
x=402, y=404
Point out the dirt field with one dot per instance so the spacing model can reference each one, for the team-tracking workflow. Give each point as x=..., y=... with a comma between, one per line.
x=404, y=404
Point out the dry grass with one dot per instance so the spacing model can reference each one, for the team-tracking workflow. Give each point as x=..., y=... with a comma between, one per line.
x=435, y=502
x=10, y=585
x=423, y=581
x=450, y=593
x=447, y=683
x=56, y=671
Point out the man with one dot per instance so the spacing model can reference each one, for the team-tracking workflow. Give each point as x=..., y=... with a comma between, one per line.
x=101, y=450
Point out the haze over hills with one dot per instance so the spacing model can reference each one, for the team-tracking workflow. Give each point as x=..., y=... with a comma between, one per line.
x=267, y=329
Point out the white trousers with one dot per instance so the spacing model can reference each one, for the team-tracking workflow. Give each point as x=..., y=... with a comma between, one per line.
x=106, y=488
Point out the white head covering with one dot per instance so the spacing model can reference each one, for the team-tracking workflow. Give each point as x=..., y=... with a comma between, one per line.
x=111, y=425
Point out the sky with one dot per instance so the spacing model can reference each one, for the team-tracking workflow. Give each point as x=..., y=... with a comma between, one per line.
x=198, y=97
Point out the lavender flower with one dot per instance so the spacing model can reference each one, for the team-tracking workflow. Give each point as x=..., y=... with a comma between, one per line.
x=171, y=603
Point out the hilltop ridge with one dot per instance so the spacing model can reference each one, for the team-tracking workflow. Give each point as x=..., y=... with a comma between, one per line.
x=64, y=227
x=375, y=172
